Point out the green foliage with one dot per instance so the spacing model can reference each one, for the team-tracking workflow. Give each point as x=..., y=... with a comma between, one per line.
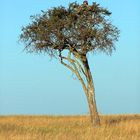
x=84, y=28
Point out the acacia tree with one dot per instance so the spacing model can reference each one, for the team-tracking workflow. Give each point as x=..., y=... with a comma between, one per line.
x=69, y=34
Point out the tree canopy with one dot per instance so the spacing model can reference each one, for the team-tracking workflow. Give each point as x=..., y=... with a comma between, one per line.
x=78, y=28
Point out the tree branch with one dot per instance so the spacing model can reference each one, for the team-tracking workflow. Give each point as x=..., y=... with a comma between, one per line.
x=68, y=66
x=80, y=67
x=74, y=69
x=72, y=61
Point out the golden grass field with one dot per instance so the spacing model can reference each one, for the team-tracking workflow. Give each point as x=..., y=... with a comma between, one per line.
x=113, y=127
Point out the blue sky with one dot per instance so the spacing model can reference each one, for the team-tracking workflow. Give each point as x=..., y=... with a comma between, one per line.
x=34, y=84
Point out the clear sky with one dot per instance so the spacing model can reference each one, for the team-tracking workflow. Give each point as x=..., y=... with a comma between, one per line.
x=34, y=84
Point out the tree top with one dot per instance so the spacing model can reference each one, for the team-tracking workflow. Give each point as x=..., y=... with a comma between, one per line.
x=82, y=28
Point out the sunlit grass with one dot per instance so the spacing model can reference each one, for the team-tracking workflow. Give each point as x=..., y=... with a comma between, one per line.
x=113, y=127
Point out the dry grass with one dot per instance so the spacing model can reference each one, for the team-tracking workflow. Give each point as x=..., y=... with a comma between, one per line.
x=114, y=127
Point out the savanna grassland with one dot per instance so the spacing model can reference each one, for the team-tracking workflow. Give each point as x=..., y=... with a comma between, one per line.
x=113, y=127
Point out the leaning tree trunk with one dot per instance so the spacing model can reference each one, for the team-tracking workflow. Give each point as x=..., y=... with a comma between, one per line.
x=95, y=120
x=88, y=85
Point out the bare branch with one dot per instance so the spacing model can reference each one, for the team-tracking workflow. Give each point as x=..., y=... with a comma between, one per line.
x=80, y=67
x=77, y=73
x=76, y=61
x=74, y=69
x=68, y=66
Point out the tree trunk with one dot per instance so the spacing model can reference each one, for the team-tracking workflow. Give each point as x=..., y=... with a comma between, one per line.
x=88, y=85
x=95, y=120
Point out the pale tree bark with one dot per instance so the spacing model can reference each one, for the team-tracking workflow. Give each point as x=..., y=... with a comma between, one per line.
x=95, y=119
x=80, y=67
